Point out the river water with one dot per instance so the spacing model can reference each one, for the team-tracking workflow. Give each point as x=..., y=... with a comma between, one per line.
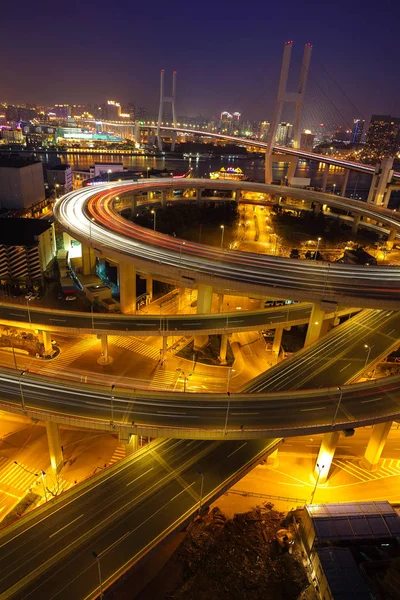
x=358, y=184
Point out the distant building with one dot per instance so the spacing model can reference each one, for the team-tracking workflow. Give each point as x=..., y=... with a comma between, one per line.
x=307, y=140
x=101, y=168
x=21, y=182
x=357, y=256
x=264, y=129
x=14, y=136
x=358, y=131
x=78, y=134
x=59, y=178
x=27, y=247
x=61, y=111
x=284, y=134
x=113, y=110
x=383, y=137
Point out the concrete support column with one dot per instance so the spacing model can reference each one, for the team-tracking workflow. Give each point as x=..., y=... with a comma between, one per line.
x=127, y=287
x=376, y=444
x=391, y=238
x=356, y=222
x=173, y=141
x=181, y=299
x=199, y=194
x=388, y=193
x=48, y=346
x=133, y=206
x=292, y=169
x=220, y=302
x=314, y=325
x=163, y=198
x=238, y=195
x=273, y=460
x=345, y=182
x=164, y=347
x=88, y=260
x=223, y=348
x=325, y=455
x=55, y=448
x=276, y=344
x=131, y=443
x=204, y=298
x=262, y=303
x=149, y=288
x=104, y=359
x=325, y=178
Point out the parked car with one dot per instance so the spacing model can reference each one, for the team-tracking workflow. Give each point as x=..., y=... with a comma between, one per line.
x=70, y=298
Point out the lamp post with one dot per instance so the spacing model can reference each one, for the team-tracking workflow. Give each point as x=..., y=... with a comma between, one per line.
x=108, y=174
x=334, y=188
x=148, y=172
x=29, y=312
x=338, y=404
x=112, y=403
x=42, y=473
x=154, y=213
x=316, y=481
x=22, y=393
x=100, y=580
x=227, y=412
x=368, y=348
x=316, y=252
x=180, y=252
x=222, y=235
x=201, y=490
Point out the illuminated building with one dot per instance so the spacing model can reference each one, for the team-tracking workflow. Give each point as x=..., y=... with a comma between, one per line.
x=236, y=174
x=383, y=137
x=113, y=110
x=59, y=177
x=265, y=125
x=358, y=131
x=284, y=134
x=61, y=111
x=307, y=140
x=78, y=134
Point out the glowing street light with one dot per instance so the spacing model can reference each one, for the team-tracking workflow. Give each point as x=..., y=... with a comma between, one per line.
x=316, y=251
x=154, y=213
x=338, y=404
x=100, y=579
x=148, y=172
x=368, y=348
x=222, y=235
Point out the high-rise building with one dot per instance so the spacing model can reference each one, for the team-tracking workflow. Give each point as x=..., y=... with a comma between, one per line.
x=307, y=140
x=113, y=110
x=21, y=182
x=61, y=111
x=383, y=137
x=284, y=134
x=264, y=129
x=358, y=131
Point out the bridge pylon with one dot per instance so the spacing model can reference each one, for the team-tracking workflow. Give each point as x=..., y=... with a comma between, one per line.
x=284, y=96
x=166, y=99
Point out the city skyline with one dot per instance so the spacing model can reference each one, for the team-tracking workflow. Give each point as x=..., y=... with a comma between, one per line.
x=240, y=59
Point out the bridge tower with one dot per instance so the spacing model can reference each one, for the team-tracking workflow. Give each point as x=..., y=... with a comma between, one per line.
x=170, y=100
x=284, y=96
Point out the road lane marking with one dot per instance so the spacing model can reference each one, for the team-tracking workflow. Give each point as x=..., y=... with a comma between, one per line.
x=345, y=367
x=142, y=475
x=243, y=414
x=164, y=412
x=237, y=450
x=236, y=320
x=307, y=409
x=18, y=315
x=373, y=400
x=60, y=320
x=67, y=525
x=190, y=324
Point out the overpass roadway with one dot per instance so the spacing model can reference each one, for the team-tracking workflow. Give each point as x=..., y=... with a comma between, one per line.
x=286, y=400
x=121, y=514
x=330, y=160
x=75, y=322
x=88, y=214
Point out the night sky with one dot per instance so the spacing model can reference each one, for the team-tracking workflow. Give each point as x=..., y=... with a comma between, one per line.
x=227, y=54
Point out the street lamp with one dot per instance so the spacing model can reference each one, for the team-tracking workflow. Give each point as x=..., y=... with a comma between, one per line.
x=29, y=312
x=338, y=404
x=108, y=174
x=100, y=580
x=201, y=490
x=368, y=348
x=22, y=393
x=334, y=188
x=316, y=481
x=112, y=404
x=180, y=252
x=154, y=213
x=316, y=252
x=148, y=172
x=42, y=473
x=222, y=235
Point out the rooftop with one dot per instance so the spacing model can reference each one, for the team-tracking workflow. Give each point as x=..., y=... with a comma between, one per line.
x=354, y=521
x=17, y=162
x=342, y=574
x=22, y=232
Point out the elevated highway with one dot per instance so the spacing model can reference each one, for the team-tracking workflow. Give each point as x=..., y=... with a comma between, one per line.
x=89, y=215
x=121, y=514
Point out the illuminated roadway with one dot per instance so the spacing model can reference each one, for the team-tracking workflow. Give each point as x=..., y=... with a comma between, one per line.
x=89, y=215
